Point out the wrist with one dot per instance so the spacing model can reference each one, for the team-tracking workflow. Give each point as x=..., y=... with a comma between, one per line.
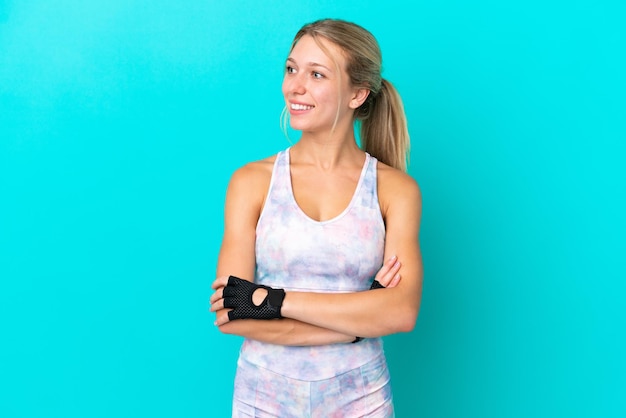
x=286, y=309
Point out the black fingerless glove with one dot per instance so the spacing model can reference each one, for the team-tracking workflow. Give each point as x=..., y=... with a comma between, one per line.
x=376, y=285
x=238, y=297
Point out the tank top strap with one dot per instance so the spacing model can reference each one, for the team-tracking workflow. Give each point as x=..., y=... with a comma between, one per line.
x=280, y=186
x=281, y=178
x=368, y=193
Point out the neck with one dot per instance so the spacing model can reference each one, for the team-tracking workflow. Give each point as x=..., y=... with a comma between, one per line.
x=327, y=151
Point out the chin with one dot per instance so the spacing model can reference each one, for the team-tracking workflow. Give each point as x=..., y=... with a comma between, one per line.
x=298, y=126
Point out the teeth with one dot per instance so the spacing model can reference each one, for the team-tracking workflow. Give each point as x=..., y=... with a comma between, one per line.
x=295, y=106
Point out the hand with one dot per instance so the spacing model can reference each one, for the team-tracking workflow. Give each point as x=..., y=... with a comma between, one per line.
x=388, y=275
x=247, y=300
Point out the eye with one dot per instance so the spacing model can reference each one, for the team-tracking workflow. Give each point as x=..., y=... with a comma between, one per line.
x=290, y=69
x=317, y=75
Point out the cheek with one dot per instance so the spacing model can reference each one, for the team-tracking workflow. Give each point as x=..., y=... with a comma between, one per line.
x=328, y=95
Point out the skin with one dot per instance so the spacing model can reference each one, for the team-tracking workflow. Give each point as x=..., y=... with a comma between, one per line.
x=326, y=158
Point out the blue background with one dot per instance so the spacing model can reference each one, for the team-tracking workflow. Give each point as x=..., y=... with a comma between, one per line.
x=121, y=122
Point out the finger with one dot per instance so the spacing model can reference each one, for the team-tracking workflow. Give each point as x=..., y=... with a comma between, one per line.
x=218, y=294
x=229, y=291
x=219, y=282
x=389, y=275
x=395, y=281
x=386, y=266
x=217, y=305
x=222, y=317
x=229, y=302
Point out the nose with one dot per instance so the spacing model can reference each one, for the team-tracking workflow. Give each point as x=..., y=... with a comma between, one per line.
x=294, y=84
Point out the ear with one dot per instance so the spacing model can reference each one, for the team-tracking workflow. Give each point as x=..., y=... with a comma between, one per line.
x=359, y=96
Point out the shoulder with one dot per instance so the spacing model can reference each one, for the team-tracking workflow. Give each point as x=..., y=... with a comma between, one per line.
x=397, y=188
x=394, y=182
x=251, y=181
x=254, y=173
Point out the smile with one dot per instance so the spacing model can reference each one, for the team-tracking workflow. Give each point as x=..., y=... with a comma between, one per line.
x=296, y=106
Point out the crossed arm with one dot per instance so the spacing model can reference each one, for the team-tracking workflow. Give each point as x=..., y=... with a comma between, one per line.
x=325, y=318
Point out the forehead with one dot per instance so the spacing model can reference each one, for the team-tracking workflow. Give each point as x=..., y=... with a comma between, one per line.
x=319, y=50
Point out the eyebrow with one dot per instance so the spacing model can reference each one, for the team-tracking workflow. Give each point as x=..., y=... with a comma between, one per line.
x=311, y=64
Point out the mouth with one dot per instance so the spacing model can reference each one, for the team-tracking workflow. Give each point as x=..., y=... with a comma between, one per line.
x=298, y=106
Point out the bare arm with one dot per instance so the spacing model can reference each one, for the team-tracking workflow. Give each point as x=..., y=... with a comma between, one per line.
x=378, y=312
x=288, y=331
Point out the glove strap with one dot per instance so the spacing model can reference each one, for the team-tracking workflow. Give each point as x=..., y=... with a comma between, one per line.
x=275, y=298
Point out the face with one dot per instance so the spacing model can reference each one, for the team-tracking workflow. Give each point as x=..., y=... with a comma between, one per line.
x=317, y=88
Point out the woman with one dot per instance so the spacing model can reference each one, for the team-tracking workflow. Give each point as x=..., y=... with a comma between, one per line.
x=300, y=271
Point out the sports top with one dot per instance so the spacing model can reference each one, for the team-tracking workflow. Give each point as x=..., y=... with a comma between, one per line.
x=297, y=253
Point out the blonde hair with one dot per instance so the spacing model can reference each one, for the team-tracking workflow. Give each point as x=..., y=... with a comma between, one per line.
x=384, y=132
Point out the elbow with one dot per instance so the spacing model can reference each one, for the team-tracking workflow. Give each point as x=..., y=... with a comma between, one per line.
x=406, y=321
x=406, y=325
x=401, y=322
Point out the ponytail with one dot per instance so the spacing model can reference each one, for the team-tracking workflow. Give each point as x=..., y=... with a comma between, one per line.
x=384, y=132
